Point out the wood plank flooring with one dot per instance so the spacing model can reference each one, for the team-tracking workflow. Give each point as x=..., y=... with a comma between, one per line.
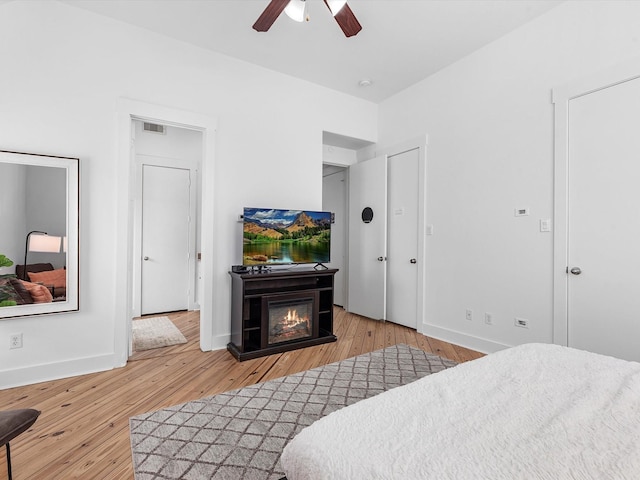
x=83, y=431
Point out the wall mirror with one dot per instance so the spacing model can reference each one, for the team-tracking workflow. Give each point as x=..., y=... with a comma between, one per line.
x=39, y=219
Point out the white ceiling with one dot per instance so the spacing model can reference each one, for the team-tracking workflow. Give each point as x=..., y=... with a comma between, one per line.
x=401, y=42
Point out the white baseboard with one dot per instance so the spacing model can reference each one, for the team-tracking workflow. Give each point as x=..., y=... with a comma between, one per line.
x=464, y=340
x=220, y=342
x=55, y=371
x=82, y=366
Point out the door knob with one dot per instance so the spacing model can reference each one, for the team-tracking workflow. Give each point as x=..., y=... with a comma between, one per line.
x=381, y=259
x=146, y=258
x=413, y=260
x=576, y=271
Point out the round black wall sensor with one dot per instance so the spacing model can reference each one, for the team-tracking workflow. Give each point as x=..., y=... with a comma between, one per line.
x=367, y=214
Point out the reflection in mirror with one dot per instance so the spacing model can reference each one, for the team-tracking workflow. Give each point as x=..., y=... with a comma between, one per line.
x=39, y=218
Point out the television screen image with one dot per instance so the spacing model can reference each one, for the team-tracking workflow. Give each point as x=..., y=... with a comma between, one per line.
x=272, y=236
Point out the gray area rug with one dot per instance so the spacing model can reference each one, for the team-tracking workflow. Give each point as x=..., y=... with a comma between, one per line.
x=240, y=434
x=155, y=332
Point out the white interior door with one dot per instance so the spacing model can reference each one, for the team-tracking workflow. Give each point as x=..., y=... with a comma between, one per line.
x=402, y=258
x=368, y=240
x=165, y=239
x=604, y=221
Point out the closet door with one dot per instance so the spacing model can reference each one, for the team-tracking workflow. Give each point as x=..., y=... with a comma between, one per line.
x=166, y=225
x=368, y=238
x=603, y=288
x=403, y=238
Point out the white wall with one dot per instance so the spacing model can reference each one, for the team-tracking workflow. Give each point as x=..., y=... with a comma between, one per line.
x=46, y=202
x=31, y=198
x=68, y=67
x=344, y=157
x=13, y=214
x=489, y=119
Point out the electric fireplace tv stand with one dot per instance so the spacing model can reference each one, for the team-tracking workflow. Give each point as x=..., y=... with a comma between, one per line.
x=273, y=311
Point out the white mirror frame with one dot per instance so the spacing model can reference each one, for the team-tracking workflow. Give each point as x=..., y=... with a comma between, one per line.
x=72, y=169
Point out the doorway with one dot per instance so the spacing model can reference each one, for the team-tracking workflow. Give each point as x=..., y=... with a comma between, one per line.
x=597, y=305
x=166, y=233
x=334, y=200
x=128, y=111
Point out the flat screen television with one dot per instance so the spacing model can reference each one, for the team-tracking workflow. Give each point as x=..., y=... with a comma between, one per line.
x=279, y=237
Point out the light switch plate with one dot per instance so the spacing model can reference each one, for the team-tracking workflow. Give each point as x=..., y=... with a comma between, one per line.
x=545, y=224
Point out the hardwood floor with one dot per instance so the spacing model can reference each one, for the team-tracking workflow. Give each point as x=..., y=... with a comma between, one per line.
x=83, y=431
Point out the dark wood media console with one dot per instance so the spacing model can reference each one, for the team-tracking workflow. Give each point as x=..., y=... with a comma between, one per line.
x=260, y=298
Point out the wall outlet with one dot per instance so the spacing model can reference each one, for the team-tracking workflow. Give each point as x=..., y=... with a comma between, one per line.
x=521, y=322
x=468, y=314
x=488, y=318
x=15, y=341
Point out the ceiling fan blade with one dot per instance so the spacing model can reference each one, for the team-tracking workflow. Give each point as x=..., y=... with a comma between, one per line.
x=347, y=20
x=270, y=14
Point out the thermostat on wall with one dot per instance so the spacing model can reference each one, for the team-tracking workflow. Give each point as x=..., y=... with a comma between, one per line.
x=521, y=212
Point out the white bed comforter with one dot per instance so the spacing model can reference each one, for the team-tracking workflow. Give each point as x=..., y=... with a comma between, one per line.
x=530, y=412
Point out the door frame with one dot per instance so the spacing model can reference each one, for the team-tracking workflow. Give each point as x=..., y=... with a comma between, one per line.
x=561, y=96
x=129, y=110
x=420, y=143
x=167, y=162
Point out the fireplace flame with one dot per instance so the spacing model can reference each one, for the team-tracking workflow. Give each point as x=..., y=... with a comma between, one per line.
x=291, y=319
x=289, y=323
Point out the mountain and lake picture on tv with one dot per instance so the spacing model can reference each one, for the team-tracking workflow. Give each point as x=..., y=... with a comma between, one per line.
x=272, y=236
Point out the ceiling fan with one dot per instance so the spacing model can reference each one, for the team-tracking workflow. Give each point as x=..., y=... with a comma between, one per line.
x=296, y=9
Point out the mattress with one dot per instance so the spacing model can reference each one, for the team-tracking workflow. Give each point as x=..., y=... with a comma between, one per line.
x=536, y=411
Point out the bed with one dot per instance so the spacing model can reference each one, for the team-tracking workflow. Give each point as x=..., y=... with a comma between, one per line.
x=536, y=411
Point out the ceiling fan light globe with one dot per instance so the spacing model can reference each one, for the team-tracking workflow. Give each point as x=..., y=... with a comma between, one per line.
x=336, y=5
x=296, y=10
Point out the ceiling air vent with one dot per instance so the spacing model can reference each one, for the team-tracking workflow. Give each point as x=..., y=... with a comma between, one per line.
x=154, y=127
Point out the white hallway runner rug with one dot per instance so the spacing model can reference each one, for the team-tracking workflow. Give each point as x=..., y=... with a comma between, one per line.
x=155, y=332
